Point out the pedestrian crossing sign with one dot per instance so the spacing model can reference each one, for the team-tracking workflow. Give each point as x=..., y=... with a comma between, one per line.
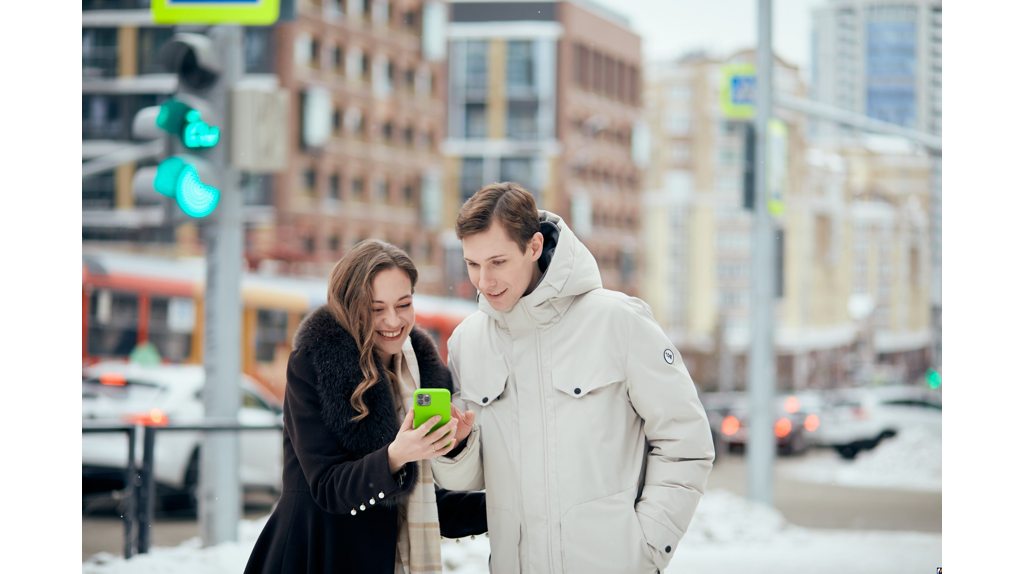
x=250, y=12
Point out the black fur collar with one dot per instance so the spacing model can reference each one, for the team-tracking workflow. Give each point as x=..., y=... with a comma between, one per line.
x=335, y=359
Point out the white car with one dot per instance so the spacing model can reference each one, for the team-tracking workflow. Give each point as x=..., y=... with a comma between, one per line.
x=858, y=419
x=169, y=394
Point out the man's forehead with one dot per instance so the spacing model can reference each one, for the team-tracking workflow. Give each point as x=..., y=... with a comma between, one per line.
x=494, y=241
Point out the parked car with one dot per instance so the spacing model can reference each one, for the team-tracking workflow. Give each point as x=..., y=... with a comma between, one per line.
x=167, y=394
x=855, y=420
x=795, y=426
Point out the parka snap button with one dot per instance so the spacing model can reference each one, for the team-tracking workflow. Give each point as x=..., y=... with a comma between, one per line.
x=576, y=390
x=485, y=400
x=668, y=549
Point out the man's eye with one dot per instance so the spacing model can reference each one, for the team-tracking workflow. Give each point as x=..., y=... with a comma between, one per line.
x=472, y=264
x=499, y=262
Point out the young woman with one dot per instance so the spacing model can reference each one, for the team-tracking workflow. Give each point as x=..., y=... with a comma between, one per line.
x=358, y=492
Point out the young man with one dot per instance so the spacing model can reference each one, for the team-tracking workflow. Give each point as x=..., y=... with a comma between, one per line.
x=589, y=437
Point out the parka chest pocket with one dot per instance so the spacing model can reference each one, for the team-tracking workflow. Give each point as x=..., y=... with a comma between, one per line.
x=579, y=379
x=483, y=384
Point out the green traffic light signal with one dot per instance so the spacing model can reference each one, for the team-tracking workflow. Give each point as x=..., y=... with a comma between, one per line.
x=178, y=177
x=186, y=122
x=934, y=379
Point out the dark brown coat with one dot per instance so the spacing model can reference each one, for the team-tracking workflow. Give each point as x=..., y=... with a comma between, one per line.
x=339, y=508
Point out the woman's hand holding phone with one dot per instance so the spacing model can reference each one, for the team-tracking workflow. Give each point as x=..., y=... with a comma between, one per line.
x=416, y=444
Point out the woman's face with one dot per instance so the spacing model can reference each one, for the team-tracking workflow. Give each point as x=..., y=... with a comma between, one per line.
x=393, y=316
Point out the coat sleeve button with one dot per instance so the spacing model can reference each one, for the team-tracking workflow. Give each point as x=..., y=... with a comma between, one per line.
x=668, y=549
x=485, y=400
x=576, y=390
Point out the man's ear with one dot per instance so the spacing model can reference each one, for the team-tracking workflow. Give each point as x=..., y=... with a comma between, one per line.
x=536, y=246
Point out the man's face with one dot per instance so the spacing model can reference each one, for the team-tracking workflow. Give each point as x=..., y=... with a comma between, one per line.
x=497, y=268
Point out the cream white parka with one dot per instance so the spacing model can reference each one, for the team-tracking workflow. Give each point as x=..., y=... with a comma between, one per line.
x=589, y=438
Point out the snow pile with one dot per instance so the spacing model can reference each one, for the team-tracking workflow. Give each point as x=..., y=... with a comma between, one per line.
x=725, y=517
x=728, y=534
x=188, y=558
x=912, y=460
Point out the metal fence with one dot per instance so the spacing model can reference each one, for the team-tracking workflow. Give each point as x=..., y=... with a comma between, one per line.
x=140, y=483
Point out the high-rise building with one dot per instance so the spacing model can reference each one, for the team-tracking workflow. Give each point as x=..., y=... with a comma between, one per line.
x=883, y=59
x=546, y=94
x=698, y=238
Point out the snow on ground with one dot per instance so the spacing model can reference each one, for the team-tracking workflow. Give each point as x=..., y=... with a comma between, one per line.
x=912, y=460
x=728, y=534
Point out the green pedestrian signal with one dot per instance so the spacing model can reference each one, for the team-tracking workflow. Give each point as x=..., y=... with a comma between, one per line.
x=934, y=379
x=178, y=118
x=179, y=177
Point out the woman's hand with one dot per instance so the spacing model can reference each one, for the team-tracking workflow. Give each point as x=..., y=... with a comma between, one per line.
x=415, y=444
x=465, y=423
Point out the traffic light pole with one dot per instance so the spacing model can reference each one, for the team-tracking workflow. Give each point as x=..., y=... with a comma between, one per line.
x=761, y=359
x=220, y=493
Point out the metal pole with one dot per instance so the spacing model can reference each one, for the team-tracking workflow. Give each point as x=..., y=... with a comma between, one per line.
x=761, y=359
x=147, y=489
x=220, y=497
x=131, y=486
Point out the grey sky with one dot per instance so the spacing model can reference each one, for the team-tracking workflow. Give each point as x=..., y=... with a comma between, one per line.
x=670, y=28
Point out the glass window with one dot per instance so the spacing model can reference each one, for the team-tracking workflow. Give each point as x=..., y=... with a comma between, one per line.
x=257, y=189
x=519, y=170
x=108, y=116
x=98, y=191
x=113, y=323
x=271, y=331
x=150, y=42
x=171, y=320
x=476, y=120
x=472, y=177
x=99, y=52
x=476, y=65
x=520, y=64
x=334, y=187
x=522, y=120
x=357, y=188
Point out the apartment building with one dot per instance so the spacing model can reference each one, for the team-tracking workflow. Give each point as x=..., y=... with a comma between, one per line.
x=546, y=94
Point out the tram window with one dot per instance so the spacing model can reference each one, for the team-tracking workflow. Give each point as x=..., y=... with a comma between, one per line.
x=171, y=320
x=113, y=323
x=271, y=331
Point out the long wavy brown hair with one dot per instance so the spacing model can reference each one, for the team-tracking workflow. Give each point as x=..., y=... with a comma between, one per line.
x=350, y=301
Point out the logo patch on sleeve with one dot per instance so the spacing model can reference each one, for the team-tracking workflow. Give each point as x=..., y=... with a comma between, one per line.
x=670, y=357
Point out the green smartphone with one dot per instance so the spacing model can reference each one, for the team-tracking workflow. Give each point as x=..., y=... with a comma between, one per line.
x=432, y=402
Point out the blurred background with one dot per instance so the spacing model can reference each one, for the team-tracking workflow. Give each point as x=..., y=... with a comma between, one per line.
x=611, y=113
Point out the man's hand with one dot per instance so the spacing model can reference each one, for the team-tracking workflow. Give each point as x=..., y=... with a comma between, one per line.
x=465, y=423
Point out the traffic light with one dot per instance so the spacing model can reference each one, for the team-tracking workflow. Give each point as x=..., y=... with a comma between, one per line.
x=186, y=120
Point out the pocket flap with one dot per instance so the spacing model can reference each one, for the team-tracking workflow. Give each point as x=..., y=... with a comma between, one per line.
x=483, y=384
x=577, y=380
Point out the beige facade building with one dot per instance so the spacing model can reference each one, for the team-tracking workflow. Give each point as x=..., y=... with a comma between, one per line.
x=546, y=94
x=697, y=240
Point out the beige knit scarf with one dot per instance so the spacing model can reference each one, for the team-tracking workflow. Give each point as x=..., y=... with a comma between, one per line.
x=419, y=531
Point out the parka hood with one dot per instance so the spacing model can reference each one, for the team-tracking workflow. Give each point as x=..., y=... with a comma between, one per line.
x=571, y=271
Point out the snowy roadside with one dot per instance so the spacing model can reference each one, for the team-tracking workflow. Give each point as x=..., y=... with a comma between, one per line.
x=912, y=460
x=728, y=534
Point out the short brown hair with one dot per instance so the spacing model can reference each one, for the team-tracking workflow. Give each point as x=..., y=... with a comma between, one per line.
x=508, y=203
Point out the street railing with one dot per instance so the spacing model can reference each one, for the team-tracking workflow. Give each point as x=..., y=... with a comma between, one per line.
x=140, y=482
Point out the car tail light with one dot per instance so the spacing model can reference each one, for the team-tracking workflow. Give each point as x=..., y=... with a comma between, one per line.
x=782, y=427
x=860, y=413
x=154, y=418
x=730, y=425
x=113, y=379
x=811, y=423
x=792, y=405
